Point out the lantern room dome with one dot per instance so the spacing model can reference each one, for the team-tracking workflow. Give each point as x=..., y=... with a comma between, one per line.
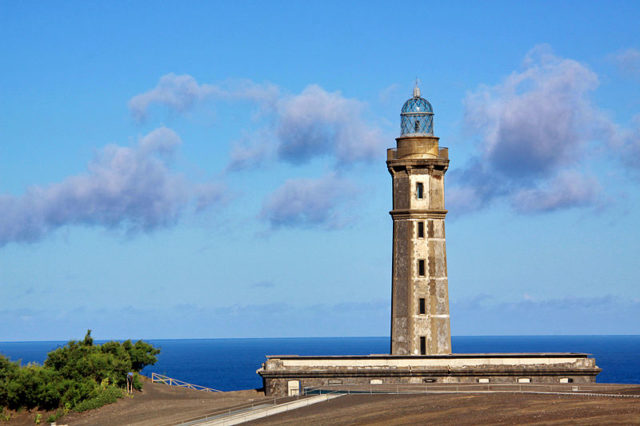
x=416, y=116
x=417, y=105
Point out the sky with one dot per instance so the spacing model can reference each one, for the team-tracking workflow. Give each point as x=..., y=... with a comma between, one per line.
x=217, y=169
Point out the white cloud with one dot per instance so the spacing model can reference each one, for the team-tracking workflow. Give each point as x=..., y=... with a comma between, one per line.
x=533, y=130
x=628, y=61
x=316, y=123
x=125, y=187
x=299, y=127
x=568, y=189
x=308, y=202
x=180, y=93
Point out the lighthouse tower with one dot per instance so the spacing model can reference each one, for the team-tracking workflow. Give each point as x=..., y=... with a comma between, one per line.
x=419, y=295
x=420, y=330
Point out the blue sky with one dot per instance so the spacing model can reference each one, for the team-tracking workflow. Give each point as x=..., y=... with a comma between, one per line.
x=217, y=169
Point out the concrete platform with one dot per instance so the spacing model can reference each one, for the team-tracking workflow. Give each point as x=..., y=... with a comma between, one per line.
x=289, y=374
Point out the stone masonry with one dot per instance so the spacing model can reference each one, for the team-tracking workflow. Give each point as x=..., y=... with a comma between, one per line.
x=420, y=296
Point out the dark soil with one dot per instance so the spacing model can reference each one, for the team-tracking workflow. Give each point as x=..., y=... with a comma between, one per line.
x=464, y=409
x=160, y=404
x=156, y=404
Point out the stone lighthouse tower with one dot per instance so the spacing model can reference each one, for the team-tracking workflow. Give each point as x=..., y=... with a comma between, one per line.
x=419, y=295
x=420, y=330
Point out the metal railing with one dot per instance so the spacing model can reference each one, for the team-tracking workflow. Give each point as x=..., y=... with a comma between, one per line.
x=160, y=378
x=573, y=389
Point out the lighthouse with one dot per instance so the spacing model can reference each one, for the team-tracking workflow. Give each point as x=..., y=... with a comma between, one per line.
x=419, y=295
x=420, y=328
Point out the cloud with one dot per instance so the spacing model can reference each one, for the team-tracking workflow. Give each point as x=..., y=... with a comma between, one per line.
x=626, y=142
x=533, y=130
x=298, y=128
x=180, y=93
x=606, y=314
x=195, y=321
x=308, y=202
x=566, y=190
x=252, y=152
x=317, y=123
x=627, y=61
x=131, y=188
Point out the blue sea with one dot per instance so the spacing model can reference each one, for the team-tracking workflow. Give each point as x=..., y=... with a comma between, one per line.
x=231, y=364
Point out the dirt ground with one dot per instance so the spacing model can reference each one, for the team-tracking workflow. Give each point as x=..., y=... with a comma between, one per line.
x=464, y=409
x=160, y=404
x=156, y=405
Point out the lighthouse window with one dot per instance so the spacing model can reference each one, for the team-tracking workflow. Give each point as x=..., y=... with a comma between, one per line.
x=421, y=267
x=419, y=190
x=420, y=229
x=423, y=345
x=422, y=308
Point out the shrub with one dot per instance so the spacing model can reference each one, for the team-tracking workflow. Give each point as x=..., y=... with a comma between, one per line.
x=79, y=375
x=105, y=396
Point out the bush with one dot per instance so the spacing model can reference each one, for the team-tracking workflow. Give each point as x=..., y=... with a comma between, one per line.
x=104, y=397
x=79, y=375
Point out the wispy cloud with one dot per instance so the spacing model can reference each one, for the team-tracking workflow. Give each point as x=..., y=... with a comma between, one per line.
x=626, y=142
x=292, y=128
x=533, y=129
x=180, y=93
x=132, y=188
x=606, y=314
x=198, y=321
x=317, y=123
x=300, y=127
x=263, y=284
x=308, y=202
x=627, y=61
x=568, y=189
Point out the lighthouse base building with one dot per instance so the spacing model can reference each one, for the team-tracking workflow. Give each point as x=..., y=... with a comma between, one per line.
x=420, y=347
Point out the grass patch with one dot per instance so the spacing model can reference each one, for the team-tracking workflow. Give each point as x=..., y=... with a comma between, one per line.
x=108, y=395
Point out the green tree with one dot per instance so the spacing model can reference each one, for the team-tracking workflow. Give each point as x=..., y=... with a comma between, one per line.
x=79, y=375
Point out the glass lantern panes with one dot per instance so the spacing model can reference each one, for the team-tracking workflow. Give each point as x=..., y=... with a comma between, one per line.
x=416, y=117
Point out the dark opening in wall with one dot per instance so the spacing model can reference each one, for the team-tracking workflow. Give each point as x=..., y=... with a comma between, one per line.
x=422, y=308
x=423, y=345
x=421, y=267
x=420, y=229
x=419, y=190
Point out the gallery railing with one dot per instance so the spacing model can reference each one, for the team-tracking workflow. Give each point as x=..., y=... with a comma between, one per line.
x=613, y=390
x=160, y=378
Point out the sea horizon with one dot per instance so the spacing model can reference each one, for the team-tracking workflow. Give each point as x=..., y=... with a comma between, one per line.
x=120, y=339
x=231, y=363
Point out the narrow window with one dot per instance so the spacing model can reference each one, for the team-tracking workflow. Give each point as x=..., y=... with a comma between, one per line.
x=423, y=345
x=422, y=308
x=417, y=126
x=420, y=229
x=419, y=190
x=421, y=267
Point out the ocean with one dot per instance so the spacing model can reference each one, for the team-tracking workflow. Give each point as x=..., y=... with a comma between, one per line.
x=231, y=364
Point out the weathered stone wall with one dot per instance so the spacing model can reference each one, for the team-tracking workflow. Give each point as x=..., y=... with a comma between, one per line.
x=418, y=160
x=375, y=369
